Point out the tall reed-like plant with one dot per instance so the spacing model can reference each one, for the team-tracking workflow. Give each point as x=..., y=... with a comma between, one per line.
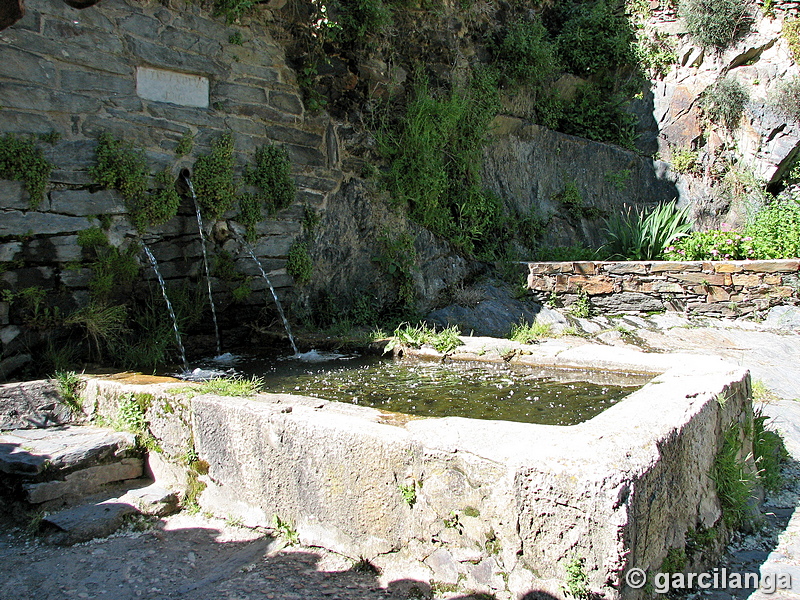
x=642, y=234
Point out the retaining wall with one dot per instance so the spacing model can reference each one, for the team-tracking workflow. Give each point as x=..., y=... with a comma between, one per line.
x=725, y=288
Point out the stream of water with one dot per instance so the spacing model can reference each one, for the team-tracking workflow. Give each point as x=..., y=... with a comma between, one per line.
x=163, y=285
x=274, y=294
x=205, y=261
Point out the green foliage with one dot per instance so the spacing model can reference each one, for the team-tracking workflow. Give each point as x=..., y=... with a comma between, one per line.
x=272, y=175
x=185, y=144
x=37, y=314
x=525, y=54
x=768, y=452
x=776, y=229
x=21, y=160
x=684, y=161
x=674, y=561
x=596, y=38
x=151, y=337
x=122, y=167
x=643, y=234
x=110, y=265
x=242, y=291
x=700, y=539
x=232, y=10
x=582, y=307
x=409, y=493
x=436, y=154
x=229, y=386
x=619, y=179
x=734, y=481
x=655, y=52
x=596, y=113
x=286, y=530
x=715, y=23
x=711, y=245
x=311, y=218
x=358, y=20
x=786, y=98
x=103, y=324
x=250, y=214
x=398, y=258
x=236, y=38
x=416, y=336
x=577, y=582
x=570, y=197
x=791, y=33
x=724, y=102
x=213, y=178
x=131, y=411
x=528, y=333
x=299, y=264
x=69, y=384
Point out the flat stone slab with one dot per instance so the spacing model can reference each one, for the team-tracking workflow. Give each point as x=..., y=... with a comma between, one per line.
x=84, y=481
x=32, y=404
x=152, y=500
x=83, y=523
x=68, y=448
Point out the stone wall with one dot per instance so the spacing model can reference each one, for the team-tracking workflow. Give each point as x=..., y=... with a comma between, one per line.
x=148, y=74
x=726, y=288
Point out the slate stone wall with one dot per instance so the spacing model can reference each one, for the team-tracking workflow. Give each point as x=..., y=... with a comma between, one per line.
x=78, y=73
x=724, y=288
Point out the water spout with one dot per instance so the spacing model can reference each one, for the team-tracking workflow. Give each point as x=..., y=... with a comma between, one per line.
x=274, y=295
x=186, y=175
x=169, y=305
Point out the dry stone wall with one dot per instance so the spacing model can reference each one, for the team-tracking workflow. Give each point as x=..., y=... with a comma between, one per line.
x=726, y=288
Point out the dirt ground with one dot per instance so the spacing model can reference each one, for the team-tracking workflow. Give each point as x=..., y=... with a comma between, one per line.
x=185, y=556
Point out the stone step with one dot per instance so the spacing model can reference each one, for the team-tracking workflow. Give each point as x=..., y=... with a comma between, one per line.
x=64, y=464
x=104, y=516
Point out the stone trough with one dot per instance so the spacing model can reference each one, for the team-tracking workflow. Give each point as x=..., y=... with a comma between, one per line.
x=490, y=506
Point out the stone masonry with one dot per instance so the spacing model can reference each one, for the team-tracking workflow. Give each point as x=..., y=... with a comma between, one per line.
x=726, y=288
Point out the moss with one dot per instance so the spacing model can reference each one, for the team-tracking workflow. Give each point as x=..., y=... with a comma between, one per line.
x=674, y=561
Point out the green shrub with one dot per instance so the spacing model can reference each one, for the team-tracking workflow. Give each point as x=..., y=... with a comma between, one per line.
x=791, y=33
x=596, y=113
x=643, y=234
x=272, y=175
x=596, y=38
x=213, y=178
x=684, y=161
x=711, y=245
x=185, y=144
x=21, y=160
x=436, y=155
x=415, y=336
x=299, y=263
x=786, y=98
x=715, y=23
x=734, y=481
x=655, y=52
x=577, y=581
x=776, y=229
x=528, y=333
x=724, y=102
x=525, y=55
x=358, y=20
x=122, y=167
x=233, y=9
x=768, y=453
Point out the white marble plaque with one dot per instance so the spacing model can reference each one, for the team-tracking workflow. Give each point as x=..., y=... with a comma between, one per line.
x=168, y=86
